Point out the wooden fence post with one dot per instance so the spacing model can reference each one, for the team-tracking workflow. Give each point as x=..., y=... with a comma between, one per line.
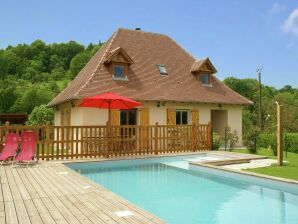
x=6, y=127
x=192, y=136
x=210, y=135
x=279, y=135
x=48, y=140
x=156, y=138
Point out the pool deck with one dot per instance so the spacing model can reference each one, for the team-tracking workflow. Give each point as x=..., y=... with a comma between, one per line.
x=49, y=192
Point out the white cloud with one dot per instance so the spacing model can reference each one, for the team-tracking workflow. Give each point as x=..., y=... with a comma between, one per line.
x=275, y=9
x=290, y=25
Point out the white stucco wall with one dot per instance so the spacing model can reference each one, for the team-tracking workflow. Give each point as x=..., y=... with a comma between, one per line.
x=95, y=116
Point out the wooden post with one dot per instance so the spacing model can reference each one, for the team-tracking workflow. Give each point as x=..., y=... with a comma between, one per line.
x=279, y=135
x=156, y=138
x=48, y=140
x=6, y=127
x=193, y=137
x=210, y=135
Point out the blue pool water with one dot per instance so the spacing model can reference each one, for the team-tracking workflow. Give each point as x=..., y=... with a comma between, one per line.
x=181, y=194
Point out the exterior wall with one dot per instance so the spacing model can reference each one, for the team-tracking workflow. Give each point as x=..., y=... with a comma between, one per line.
x=95, y=116
x=219, y=121
x=235, y=121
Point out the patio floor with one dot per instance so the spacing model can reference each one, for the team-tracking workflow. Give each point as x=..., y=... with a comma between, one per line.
x=49, y=192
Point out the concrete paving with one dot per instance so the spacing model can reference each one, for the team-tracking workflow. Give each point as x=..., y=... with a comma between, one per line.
x=252, y=164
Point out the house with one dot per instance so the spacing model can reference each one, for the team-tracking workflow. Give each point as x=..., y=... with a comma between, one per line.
x=173, y=86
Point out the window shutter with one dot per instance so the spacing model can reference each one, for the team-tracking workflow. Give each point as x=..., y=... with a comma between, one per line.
x=62, y=117
x=195, y=116
x=115, y=117
x=144, y=116
x=171, y=116
x=68, y=117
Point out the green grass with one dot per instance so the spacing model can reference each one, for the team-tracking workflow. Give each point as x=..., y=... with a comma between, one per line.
x=288, y=170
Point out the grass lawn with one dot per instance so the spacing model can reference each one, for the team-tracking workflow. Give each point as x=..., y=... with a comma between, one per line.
x=289, y=170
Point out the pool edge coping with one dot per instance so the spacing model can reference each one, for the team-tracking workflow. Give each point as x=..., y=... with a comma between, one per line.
x=268, y=177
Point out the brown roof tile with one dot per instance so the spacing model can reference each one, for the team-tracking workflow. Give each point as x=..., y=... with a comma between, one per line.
x=144, y=80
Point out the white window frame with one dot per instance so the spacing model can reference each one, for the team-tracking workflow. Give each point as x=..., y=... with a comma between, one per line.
x=182, y=110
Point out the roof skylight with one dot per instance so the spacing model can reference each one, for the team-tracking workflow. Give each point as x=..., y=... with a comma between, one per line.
x=162, y=69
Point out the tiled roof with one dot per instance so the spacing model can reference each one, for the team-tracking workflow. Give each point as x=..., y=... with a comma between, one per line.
x=144, y=80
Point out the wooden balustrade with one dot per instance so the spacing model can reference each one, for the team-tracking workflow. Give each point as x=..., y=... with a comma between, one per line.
x=70, y=142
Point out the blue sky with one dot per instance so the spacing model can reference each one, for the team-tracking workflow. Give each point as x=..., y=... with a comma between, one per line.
x=238, y=36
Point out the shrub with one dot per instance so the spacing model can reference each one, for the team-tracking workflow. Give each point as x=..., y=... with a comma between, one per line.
x=230, y=138
x=233, y=139
x=269, y=140
x=216, y=143
x=290, y=141
x=252, y=139
x=41, y=115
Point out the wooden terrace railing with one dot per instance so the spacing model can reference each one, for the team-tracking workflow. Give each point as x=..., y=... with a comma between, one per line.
x=70, y=142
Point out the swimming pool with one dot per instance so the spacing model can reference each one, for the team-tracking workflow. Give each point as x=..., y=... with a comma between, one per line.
x=181, y=194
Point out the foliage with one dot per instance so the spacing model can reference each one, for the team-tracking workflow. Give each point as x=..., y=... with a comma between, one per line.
x=40, y=115
x=31, y=75
x=287, y=96
x=290, y=140
x=230, y=138
x=251, y=139
x=30, y=99
x=216, y=143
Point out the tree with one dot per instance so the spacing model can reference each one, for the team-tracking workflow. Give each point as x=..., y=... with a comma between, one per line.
x=30, y=99
x=8, y=97
x=40, y=115
x=78, y=62
x=3, y=66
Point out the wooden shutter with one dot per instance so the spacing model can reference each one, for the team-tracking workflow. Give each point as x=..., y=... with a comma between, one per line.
x=62, y=117
x=68, y=117
x=171, y=116
x=115, y=117
x=195, y=116
x=144, y=116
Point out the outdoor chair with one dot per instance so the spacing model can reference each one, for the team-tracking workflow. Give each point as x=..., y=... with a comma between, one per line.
x=27, y=150
x=10, y=147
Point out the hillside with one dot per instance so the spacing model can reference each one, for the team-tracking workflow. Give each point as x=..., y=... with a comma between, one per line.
x=31, y=75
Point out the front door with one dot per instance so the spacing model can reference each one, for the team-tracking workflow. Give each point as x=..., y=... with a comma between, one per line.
x=128, y=120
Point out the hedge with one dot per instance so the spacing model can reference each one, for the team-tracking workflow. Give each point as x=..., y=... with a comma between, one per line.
x=290, y=142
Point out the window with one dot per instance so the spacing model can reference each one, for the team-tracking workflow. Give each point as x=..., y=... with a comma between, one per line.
x=181, y=117
x=128, y=117
x=162, y=69
x=119, y=71
x=205, y=78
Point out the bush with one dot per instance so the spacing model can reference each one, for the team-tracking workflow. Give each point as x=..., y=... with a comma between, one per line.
x=41, y=115
x=291, y=142
x=230, y=138
x=252, y=139
x=270, y=140
x=216, y=143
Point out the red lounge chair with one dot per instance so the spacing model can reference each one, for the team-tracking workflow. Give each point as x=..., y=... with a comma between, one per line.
x=10, y=147
x=28, y=147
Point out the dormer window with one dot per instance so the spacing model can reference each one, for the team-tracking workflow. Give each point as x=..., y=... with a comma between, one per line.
x=119, y=71
x=118, y=62
x=203, y=70
x=205, y=78
x=162, y=69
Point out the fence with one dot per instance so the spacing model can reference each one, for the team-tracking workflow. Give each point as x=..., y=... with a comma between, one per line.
x=68, y=142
